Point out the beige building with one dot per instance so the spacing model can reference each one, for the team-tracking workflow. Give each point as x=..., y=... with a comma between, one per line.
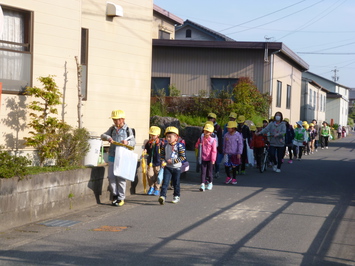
x=164, y=23
x=113, y=41
x=194, y=66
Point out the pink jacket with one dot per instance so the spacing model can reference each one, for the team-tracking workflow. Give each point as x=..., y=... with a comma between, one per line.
x=209, y=148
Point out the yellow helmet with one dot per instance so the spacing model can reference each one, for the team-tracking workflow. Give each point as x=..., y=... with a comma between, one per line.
x=311, y=125
x=171, y=130
x=233, y=115
x=241, y=119
x=117, y=114
x=252, y=128
x=287, y=120
x=209, y=123
x=259, y=124
x=155, y=131
x=213, y=115
x=232, y=124
x=209, y=128
x=306, y=126
x=304, y=123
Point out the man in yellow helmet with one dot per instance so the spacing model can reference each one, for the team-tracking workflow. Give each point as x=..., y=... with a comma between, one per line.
x=119, y=132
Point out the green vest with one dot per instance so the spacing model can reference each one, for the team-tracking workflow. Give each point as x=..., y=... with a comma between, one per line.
x=325, y=131
x=299, y=134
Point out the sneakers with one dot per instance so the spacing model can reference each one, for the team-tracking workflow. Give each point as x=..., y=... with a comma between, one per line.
x=176, y=199
x=290, y=161
x=228, y=180
x=202, y=188
x=120, y=203
x=115, y=202
x=326, y=147
x=274, y=168
x=278, y=171
x=322, y=148
x=161, y=200
x=209, y=186
x=151, y=191
x=156, y=192
x=234, y=181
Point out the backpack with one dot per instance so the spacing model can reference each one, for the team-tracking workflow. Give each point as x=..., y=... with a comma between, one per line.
x=127, y=131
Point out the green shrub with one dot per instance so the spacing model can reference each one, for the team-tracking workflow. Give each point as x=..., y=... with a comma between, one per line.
x=11, y=165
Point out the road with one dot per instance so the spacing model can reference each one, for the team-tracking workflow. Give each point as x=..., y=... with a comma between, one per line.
x=304, y=215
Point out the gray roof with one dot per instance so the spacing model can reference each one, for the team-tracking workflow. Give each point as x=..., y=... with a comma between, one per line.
x=217, y=35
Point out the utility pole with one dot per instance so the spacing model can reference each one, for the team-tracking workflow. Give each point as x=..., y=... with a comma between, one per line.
x=335, y=77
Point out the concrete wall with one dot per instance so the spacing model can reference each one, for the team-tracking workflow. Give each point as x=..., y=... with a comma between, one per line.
x=45, y=195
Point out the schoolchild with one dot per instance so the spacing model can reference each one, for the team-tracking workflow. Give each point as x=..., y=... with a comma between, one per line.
x=172, y=154
x=232, y=150
x=312, y=136
x=277, y=130
x=152, y=149
x=307, y=147
x=300, y=140
x=232, y=117
x=258, y=143
x=219, y=133
x=289, y=136
x=119, y=132
x=208, y=149
x=317, y=130
x=244, y=130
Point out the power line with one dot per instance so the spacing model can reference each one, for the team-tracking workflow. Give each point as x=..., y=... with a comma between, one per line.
x=276, y=19
x=325, y=53
x=261, y=16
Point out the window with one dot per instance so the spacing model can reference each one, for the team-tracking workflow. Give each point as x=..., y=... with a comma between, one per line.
x=16, y=50
x=164, y=35
x=288, y=97
x=84, y=62
x=188, y=34
x=314, y=100
x=160, y=84
x=222, y=86
x=278, y=96
x=310, y=99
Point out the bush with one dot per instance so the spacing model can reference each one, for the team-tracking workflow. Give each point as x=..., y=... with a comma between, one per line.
x=11, y=165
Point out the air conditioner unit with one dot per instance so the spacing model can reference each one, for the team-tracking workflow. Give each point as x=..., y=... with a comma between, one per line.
x=113, y=10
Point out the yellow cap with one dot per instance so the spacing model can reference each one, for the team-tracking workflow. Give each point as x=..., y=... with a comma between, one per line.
x=233, y=115
x=241, y=119
x=252, y=128
x=287, y=120
x=209, y=128
x=117, y=114
x=232, y=124
x=171, y=130
x=259, y=124
x=213, y=115
x=154, y=130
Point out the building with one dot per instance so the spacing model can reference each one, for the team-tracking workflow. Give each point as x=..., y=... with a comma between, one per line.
x=113, y=41
x=164, y=23
x=337, y=101
x=194, y=66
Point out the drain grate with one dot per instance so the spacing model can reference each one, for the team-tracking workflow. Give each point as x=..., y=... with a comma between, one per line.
x=106, y=228
x=59, y=223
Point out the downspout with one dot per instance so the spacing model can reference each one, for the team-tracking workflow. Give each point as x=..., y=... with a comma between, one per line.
x=271, y=75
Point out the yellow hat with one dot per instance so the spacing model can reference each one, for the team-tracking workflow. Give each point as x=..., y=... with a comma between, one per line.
x=117, y=114
x=259, y=124
x=155, y=131
x=311, y=125
x=252, y=128
x=287, y=120
x=209, y=128
x=209, y=123
x=171, y=130
x=232, y=124
x=241, y=119
x=306, y=126
x=233, y=115
x=213, y=115
x=304, y=123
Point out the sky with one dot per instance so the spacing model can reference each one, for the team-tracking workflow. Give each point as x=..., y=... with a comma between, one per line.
x=321, y=32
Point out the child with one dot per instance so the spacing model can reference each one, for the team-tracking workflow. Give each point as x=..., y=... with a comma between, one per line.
x=232, y=150
x=119, y=132
x=289, y=136
x=172, y=154
x=152, y=149
x=299, y=141
x=208, y=156
x=312, y=136
x=258, y=143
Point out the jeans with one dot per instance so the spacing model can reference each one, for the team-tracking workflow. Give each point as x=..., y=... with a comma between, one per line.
x=174, y=175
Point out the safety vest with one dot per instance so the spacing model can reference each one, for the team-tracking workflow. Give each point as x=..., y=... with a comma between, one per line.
x=325, y=131
x=299, y=134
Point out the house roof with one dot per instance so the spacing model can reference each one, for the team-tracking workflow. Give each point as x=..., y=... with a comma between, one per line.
x=334, y=95
x=168, y=15
x=310, y=81
x=335, y=83
x=218, y=36
x=275, y=47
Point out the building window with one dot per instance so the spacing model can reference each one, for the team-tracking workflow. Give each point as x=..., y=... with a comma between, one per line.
x=310, y=99
x=314, y=100
x=188, y=34
x=288, y=97
x=160, y=86
x=279, y=91
x=84, y=62
x=222, y=87
x=16, y=50
x=164, y=35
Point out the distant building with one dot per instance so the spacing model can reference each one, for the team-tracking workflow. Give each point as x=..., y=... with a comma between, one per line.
x=164, y=23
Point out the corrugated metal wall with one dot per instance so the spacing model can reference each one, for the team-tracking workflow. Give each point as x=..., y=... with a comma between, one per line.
x=191, y=69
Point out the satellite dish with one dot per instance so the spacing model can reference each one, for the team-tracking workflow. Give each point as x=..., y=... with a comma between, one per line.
x=1, y=21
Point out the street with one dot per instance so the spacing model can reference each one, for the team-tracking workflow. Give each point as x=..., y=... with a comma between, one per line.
x=304, y=215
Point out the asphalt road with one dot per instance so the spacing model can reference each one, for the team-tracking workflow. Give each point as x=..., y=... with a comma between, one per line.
x=304, y=215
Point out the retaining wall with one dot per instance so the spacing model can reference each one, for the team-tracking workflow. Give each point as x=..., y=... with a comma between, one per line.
x=45, y=195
